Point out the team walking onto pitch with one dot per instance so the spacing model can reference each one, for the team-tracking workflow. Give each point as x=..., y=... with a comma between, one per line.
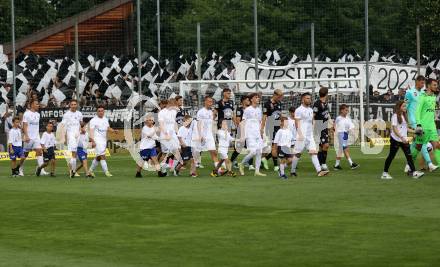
x=172, y=141
x=24, y=137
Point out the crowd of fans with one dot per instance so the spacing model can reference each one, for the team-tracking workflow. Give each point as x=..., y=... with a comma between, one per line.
x=388, y=97
x=110, y=80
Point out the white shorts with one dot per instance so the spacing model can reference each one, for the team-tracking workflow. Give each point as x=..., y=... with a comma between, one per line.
x=342, y=141
x=223, y=152
x=72, y=142
x=254, y=143
x=308, y=144
x=168, y=146
x=208, y=144
x=100, y=148
x=34, y=143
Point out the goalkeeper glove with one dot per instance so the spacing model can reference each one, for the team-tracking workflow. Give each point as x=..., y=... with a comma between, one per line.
x=419, y=130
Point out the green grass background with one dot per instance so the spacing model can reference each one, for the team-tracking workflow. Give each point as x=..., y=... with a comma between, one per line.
x=349, y=218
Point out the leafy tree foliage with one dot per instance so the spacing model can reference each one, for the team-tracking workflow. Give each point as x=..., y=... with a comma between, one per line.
x=227, y=25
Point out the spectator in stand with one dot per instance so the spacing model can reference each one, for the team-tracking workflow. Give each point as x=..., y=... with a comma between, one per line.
x=51, y=103
x=387, y=98
x=114, y=102
x=375, y=97
x=83, y=101
x=390, y=92
x=99, y=98
x=400, y=95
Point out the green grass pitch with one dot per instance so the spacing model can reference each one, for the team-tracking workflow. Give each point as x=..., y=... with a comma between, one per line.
x=349, y=218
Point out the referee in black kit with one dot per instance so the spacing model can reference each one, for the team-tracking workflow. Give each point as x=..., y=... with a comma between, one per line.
x=321, y=113
x=225, y=109
x=272, y=109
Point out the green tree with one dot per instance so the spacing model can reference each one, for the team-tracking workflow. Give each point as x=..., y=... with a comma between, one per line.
x=426, y=14
x=227, y=25
x=171, y=10
x=30, y=16
x=67, y=8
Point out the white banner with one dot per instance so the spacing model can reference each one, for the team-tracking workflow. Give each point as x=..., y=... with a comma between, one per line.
x=383, y=76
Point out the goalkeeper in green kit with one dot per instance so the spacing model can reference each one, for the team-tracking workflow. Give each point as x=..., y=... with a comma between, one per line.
x=426, y=131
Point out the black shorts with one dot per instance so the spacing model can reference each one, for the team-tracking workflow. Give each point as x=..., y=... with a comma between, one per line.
x=284, y=152
x=49, y=154
x=186, y=153
x=324, y=138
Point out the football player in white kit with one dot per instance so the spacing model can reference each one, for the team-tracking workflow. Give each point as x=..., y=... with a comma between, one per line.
x=252, y=130
x=292, y=128
x=304, y=136
x=205, y=120
x=99, y=127
x=168, y=131
x=31, y=133
x=72, y=125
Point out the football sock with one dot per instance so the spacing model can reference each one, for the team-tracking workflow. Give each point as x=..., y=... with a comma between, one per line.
x=315, y=162
x=324, y=157
x=257, y=161
x=425, y=154
x=104, y=165
x=321, y=157
x=294, y=164
x=73, y=164
x=40, y=161
x=234, y=155
x=94, y=164
x=414, y=152
x=275, y=161
x=282, y=165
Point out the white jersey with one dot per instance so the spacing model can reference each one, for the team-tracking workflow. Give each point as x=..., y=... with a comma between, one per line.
x=148, y=140
x=224, y=138
x=292, y=128
x=14, y=137
x=167, y=120
x=402, y=128
x=205, y=118
x=305, y=116
x=343, y=124
x=72, y=122
x=48, y=140
x=83, y=140
x=185, y=134
x=33, y=121
x=283, y=137
x=99, y=126
x=252, y=121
